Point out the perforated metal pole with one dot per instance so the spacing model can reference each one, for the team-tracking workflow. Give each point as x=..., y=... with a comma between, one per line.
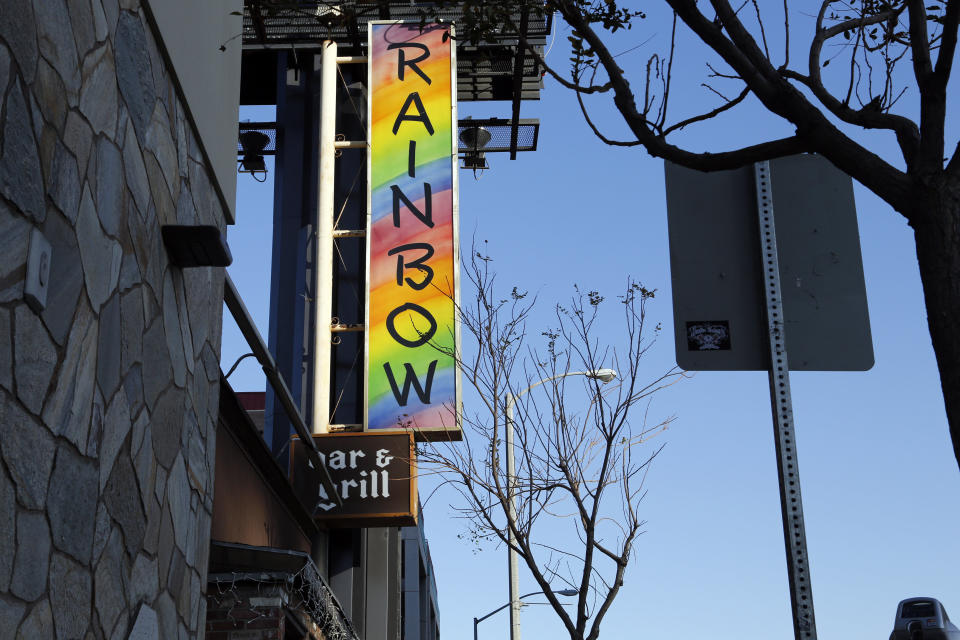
x=323, y=243
x=512, y=515
x=791, y=505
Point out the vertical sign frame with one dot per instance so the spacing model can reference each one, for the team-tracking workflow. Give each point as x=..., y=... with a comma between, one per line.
x=411, y=371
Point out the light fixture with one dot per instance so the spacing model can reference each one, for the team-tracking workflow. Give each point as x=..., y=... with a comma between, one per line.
x=568, y=592
x=253, y=143
x=475, y=138
x=603, y=375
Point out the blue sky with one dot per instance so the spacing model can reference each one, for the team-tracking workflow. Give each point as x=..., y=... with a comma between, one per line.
x=879, y=480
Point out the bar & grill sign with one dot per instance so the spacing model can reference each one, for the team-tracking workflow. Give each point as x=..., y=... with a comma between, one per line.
x=373, y=474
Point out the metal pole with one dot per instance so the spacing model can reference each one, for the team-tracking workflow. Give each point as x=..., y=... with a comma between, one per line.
x=512, y=517
x=323, y=241
x=791, y=505
x=475, y=623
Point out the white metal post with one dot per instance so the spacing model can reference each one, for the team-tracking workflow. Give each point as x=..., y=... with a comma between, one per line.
x=323, y=241
x=791, y=505
x=512, y=517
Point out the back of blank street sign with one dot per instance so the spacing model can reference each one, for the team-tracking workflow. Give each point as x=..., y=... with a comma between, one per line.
x=715, y=265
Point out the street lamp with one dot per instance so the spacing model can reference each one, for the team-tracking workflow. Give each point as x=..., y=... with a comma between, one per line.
x=604, y=376
x=476, y=621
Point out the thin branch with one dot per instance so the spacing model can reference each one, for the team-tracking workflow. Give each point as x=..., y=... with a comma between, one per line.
x=710, y=114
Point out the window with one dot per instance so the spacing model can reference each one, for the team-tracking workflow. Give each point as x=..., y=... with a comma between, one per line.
x=918, y=609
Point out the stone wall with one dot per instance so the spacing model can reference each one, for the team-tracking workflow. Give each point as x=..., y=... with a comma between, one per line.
x=108, y=395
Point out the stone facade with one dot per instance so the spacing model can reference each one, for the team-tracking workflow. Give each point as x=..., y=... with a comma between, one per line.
x=108, y=394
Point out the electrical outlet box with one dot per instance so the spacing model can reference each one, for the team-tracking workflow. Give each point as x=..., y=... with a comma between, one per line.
x=39, y=257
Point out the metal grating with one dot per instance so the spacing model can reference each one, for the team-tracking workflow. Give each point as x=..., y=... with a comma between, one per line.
x=484, y=71
x=305, y=23
x=528, y=132
x=269, y=129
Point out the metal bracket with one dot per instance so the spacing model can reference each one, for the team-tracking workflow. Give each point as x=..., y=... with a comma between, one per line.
x=349, y=233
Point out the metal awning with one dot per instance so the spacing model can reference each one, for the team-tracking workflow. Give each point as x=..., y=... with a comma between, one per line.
x=484, y=71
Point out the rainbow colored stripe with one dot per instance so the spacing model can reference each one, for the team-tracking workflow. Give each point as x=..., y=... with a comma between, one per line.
x=411, y=239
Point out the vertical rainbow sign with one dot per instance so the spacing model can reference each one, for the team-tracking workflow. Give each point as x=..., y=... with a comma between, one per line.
x=412, y=255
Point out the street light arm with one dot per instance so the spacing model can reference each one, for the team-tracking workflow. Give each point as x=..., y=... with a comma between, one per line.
x=499, y=609
x=512, y=398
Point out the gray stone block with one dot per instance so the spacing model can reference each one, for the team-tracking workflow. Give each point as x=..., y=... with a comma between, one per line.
x=178, y=567
x=129, y=271
x=32, y=559
x=14, y=240
x=38, y=623
x=98, y=96
x=160, y=142
x=116, y=426
x=183, y=143
x=211, y=363
x=109, y=584
x=71, y=592
x=183, y=594
x=21, y=177
x=167, y=616
x=148, y=246
x=78, y=136
x=96, y=424
x=111, y=188
x=196, y=596
x=133, y=388
x=134, y=74
x=132, y=328
x=4, y=70
x=140, y=425
x=50, y=94
x=66, y=280
x=28, y=451
x=101, y=256
x=122, y=499
x=166, y=211
x=102, y=533
x=135, y=171
x=6, y=352
x=157, y=374
x=165, y=545
x=57, y=41
x=69, y=410
x=11, y=613
x=160, y=484
x=186, y=212
x=145, y=467
x=152, y=536
x=111, y=10
x=8, y=539
x=178, y=499
x=197, y=462
x=35, y=358
x=171, y=326
x=72, y=503
x=100, y=28
x=166, y=421
x=109, y=347
x=65, y=190
x=145, y=626
x=19, y=29
x=81, y=17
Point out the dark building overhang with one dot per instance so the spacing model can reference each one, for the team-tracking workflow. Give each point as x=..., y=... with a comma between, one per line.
x=497, y=70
